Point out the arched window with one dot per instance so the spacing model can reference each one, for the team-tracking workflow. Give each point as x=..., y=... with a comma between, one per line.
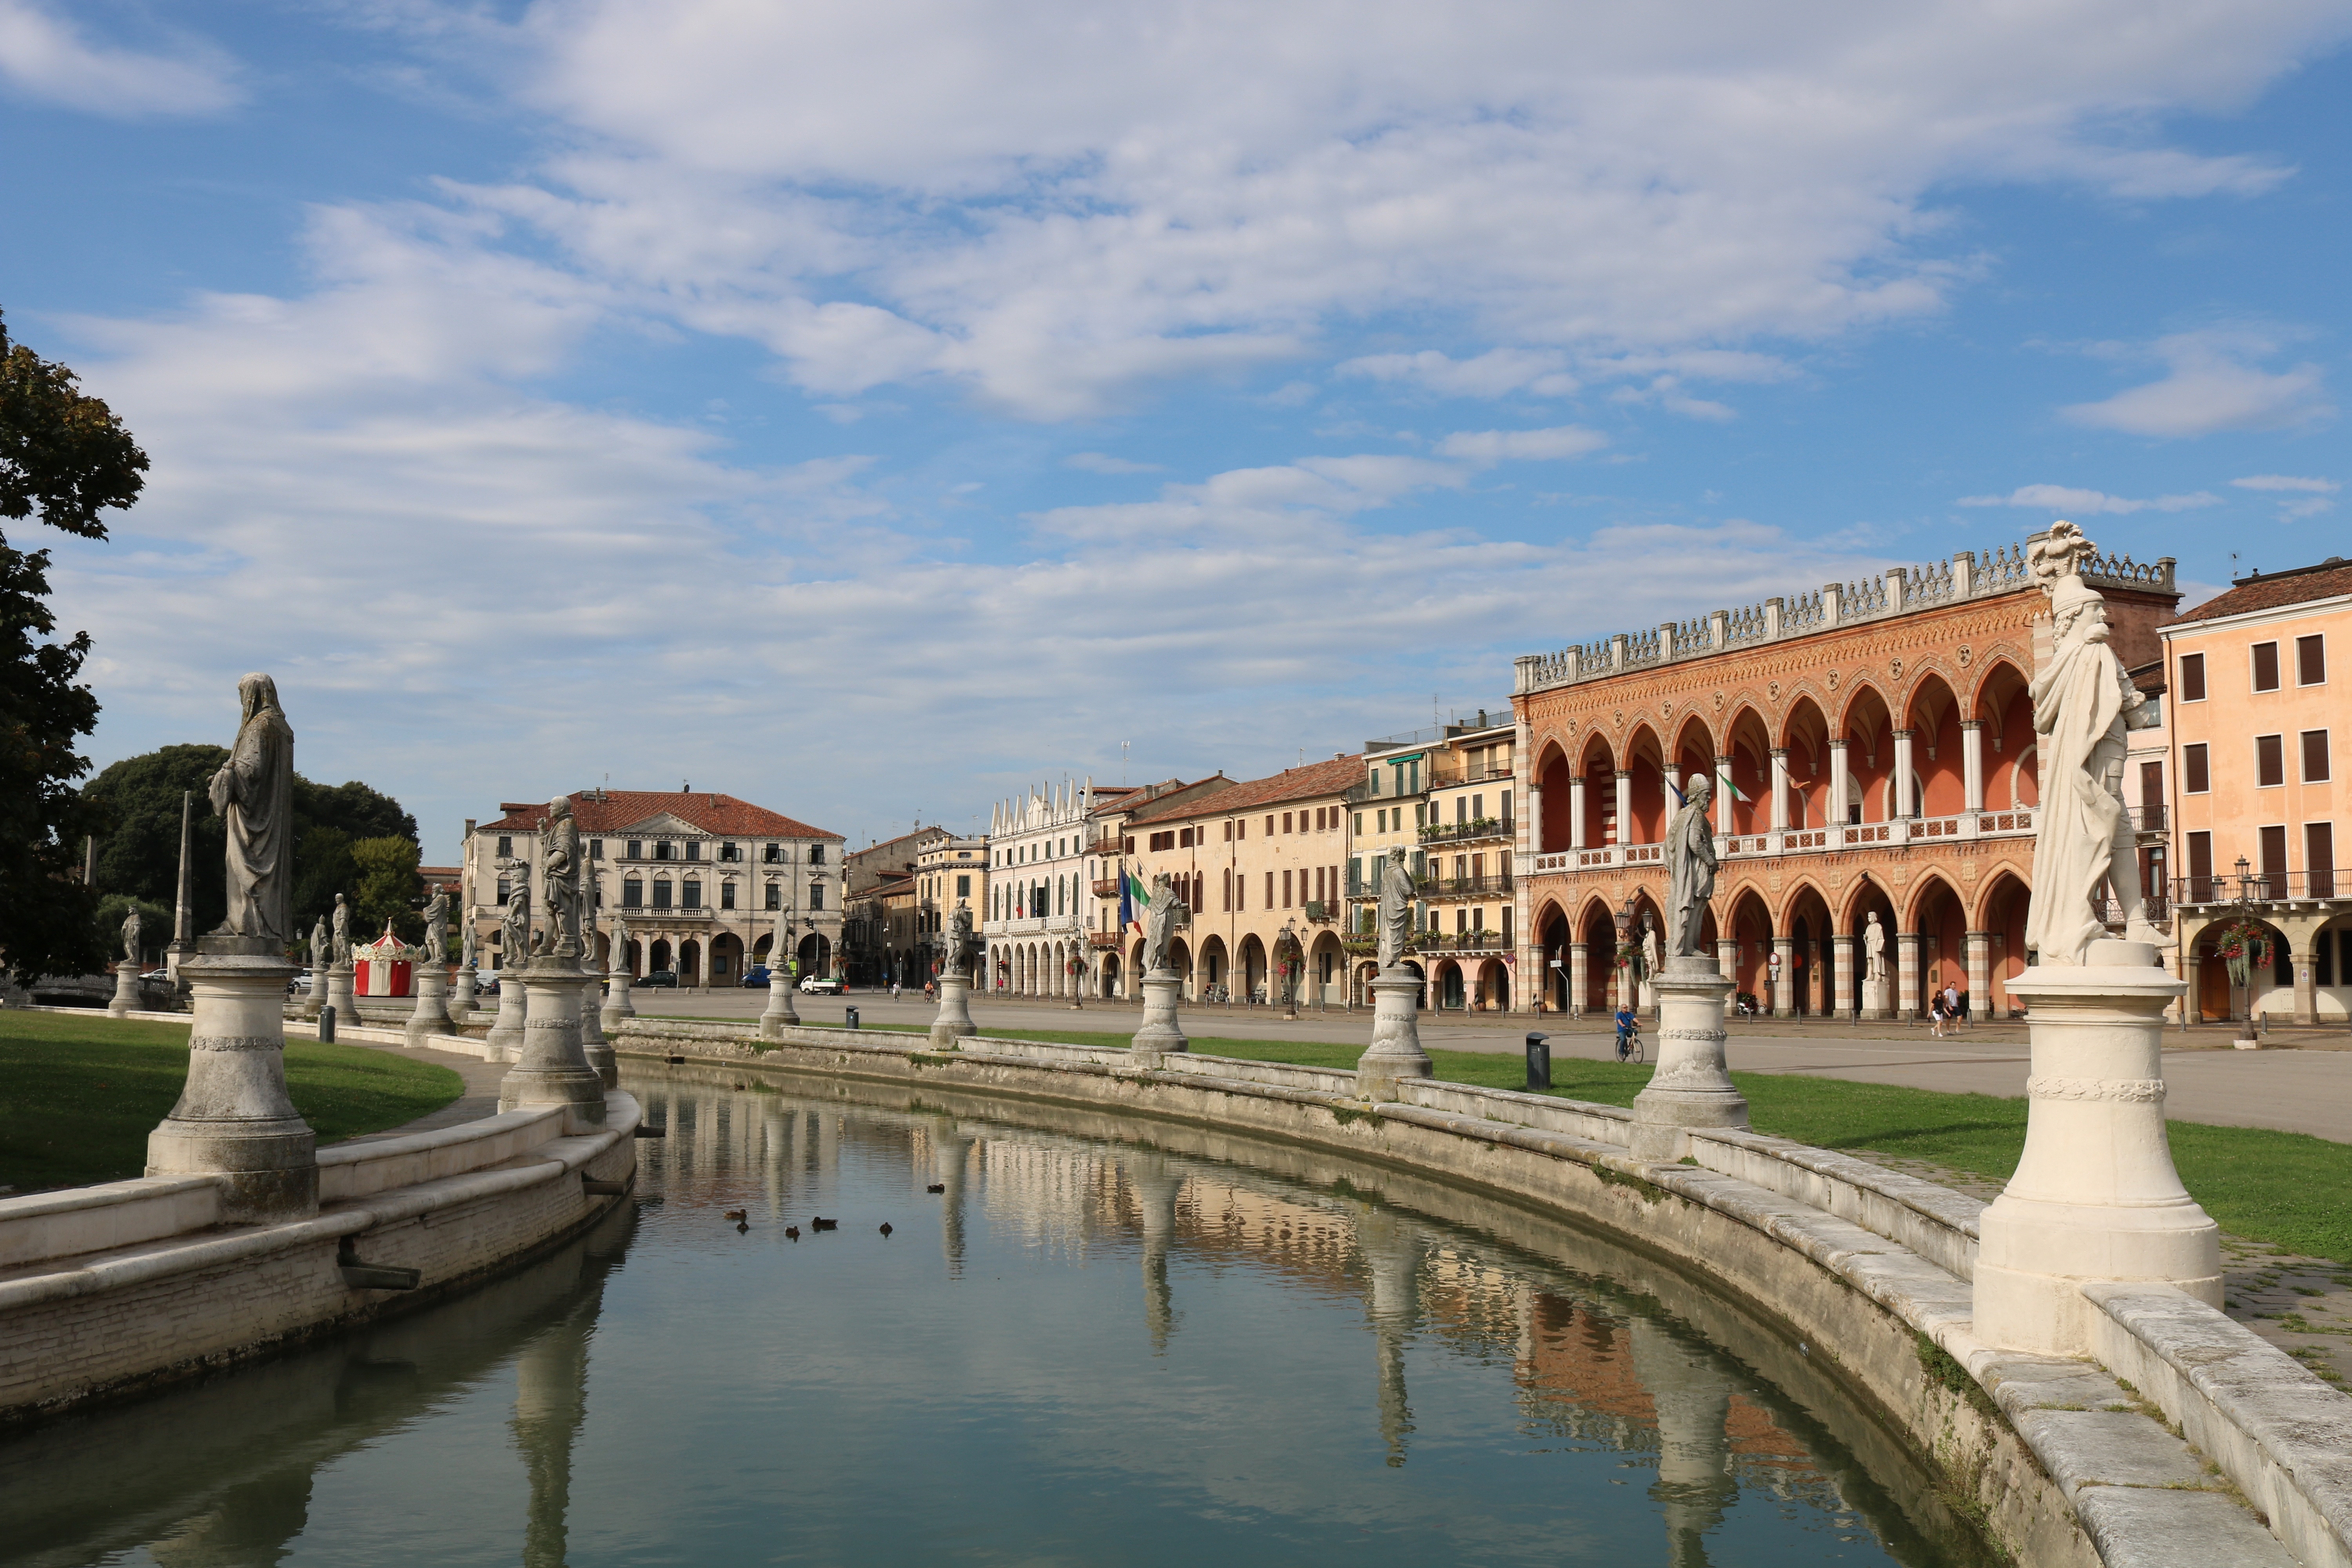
x=693, y=897
x=727, y=894
x=632, y=893
x=661, y=893
x=775, y=896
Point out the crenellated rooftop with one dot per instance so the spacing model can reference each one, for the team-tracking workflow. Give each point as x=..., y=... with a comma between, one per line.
x=1898, y=591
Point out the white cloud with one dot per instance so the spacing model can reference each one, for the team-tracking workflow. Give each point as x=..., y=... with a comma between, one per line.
x=2287, y=482
x=1493, y=373
x=2212, y=385
x=2090, y=503
x=1507, y=446
x=1104, y=463
x=43, y=57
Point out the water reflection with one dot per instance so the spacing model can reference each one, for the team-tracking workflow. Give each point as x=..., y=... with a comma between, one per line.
x=1332, y=1357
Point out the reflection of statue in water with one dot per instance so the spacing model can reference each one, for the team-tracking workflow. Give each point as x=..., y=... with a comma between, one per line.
x=1691, y=1392
x=130, y=936
x=1690, y=859
x=254, y=791
x=1161, y=918
x=2082, y=704
x=1396, y=909
x=558, y=875
x=1392, y=1259
x=1873, y=948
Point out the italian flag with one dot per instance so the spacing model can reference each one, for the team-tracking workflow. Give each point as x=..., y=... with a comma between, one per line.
x=1132, y=900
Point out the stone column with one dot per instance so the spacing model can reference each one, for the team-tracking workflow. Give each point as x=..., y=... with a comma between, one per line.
x=1159, y=1032
x=2304, y=950
x=1903, y=804
x=1692, y=1086
x=1976, y=947
x=506, y=1036
x=594, y=1048
x=1395, y=1052
x=1580, y=976
x=1838, y=788
x=617, y=1005
x=1972, y=763
x=126, y=988
x=1784, y=977
x=461, y=997
x=432, y=1015
x=1576, y=812
x=234, y=1120
x=1780, y=789
x=780, y=1014
x=1841, y=951
x=1624, y=804
x=339, y=995
x=1907, y=974
x=2095, y=1196
x=1726, y=959
x=953, y=1022
x=1692, y=1400
x=553, y=1067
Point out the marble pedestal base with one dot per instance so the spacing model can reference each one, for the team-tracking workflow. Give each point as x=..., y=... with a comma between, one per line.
x=617, y=1005
x=126, y=990
x=1160, y=1032
x=594, y=1048
x=339, y=994
x=461, y=998
x=506, y=1034
x=1878, y=998
x=432, y=1015
x=2095, y=1196
x=552, y=1068
x=780, y=1014
x=954, y=1020
x=1692, y=1086
x=234, y=1120
x=1396, y=1051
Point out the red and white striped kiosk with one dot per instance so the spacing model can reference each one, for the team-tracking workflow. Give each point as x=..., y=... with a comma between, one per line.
x=384, y=967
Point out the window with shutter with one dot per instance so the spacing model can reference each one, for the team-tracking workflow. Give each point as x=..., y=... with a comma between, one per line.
x=2196, y=774
x=2310, y=661
x=2192, y=677
x=2266, y=667
x=2315, y=756
x=2270, y=760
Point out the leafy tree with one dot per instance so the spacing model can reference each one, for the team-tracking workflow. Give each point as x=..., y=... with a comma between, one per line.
x=388, y=887
x=64, y=455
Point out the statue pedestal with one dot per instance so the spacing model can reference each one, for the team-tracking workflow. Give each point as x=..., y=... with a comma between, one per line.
x=126, y=989
x=594, y=1048
x=781, y=1015
x=505, y=1037
x=617, y=1005
x=1160, y=1032
x=432, y=1015
x=1692, y=1087
x=339, y=995
x=954, y=1021
x=2095, y=1196
x=234, y=1120
x=1396, y=1051
x=461, y=998
x=1877, y=998
x=552, y=1068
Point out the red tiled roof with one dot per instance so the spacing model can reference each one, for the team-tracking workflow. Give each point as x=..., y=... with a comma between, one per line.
x=2328, y=580
x=610, y=811
x=1291, y=783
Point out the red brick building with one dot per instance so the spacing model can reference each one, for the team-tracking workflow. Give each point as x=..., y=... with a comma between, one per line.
x=1872, y=748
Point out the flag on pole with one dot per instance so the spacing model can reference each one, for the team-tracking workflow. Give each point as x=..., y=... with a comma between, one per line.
x=1132, y=897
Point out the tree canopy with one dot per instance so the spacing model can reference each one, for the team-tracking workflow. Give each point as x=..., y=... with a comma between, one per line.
x=139, y=855
x=65, y=457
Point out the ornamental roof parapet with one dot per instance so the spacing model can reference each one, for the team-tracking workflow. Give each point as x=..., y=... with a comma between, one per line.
x=1899, y=591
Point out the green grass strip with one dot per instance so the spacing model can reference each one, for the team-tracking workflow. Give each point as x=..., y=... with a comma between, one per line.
x=78, y=1096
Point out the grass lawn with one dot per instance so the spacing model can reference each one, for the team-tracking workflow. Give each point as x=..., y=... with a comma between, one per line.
x=78, y=1096
x=2289, y=1189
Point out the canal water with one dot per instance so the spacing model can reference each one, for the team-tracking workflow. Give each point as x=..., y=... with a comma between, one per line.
x=1101, y=1343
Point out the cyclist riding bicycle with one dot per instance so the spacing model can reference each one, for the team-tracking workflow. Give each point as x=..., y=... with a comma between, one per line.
x=1625, y=1032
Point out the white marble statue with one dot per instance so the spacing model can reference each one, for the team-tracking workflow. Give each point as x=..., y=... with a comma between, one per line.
x=1395, y=927
x=437, y=927
x=1160, y=922
x=341, y=952
x=559, y=875
x=1649, y=945
x=321, y=955
x=588, y=923
x=779, y=936
x=621, y=943
x=130, y=936
x=956, y=959
x=254, y=791
x=1873, y=948
x=465, y=946
x=514, y=922
x=2082, y=704
x=1690, y=861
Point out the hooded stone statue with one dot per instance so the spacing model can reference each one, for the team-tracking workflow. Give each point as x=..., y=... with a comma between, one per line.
x=1395, y=929
x=1690, y=863
x=1160, y=922
x=2082, y=704
x=254, y=791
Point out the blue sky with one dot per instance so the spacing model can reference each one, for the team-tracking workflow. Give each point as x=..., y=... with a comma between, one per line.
x=867, y=408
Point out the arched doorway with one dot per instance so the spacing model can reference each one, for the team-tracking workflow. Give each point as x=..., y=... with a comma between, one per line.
x=1550, y=984
x=1451, y=994
x=1252, y=968
x=1179, y=959
x=661, y=959
x=1215, y=965
x=816, y=955
x=1752, y=957
x=1814, y=983
x=1493, y=989
x=1599, y=958
x=726, y=958
x=2001, y=919
x=689, y=962
x=1107, y=971
x=1937, y=916
x=1870, y=899
x=634, y=958
x=1327, y=972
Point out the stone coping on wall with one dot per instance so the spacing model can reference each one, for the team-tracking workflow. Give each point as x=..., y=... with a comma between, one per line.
x=2139, y=1493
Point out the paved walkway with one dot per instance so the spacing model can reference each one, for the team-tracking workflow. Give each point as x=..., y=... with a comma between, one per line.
x=2302, y=1085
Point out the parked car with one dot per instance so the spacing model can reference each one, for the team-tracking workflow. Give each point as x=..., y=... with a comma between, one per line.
x=755, y=976
x=823, y=986
x=661, y=977
x=486, y=983
x=298, y=986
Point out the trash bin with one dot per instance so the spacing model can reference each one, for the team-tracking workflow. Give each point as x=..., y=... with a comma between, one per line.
x=327, y=1025
x=849, y=1017
x=1539, y=1060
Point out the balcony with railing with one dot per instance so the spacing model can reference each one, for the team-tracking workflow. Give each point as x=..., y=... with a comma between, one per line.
x=1319, y=912
x=1105, y=886
x=1488, y=887
x=2014, y=823
x=1462, y=832
x=1103, y=939
x=1109, y=848
x=2332, y=886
